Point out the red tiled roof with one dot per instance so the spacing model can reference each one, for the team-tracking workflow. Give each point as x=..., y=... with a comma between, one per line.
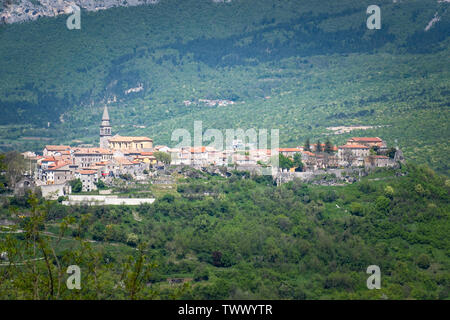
x=123, y=161
x=58, y=165
x=128, y=139
x=57, y=148
x=353, y=146
x=92, y=151
x=198, y=149
x=366, y=139
x=289, y=150
x=87, y=172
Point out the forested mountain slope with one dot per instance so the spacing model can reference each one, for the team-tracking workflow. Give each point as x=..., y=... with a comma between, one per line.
x=300, y=66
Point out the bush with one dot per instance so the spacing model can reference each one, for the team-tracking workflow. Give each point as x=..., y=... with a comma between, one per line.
x=98, y=232
x=366, y=187
x=382, y=204
x=132, y=239
x=100, y=184
x=329, y=196
x=76, y=185
x=168, y=198
x=356, y=209
x=389, y=192
x=423, y=261
x=201, y=273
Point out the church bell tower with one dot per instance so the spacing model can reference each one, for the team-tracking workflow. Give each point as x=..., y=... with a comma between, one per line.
x=105, y=129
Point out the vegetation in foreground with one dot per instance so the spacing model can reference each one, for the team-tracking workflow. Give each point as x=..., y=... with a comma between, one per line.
x=238, y=238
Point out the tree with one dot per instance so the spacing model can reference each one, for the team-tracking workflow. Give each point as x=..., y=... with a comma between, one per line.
x=391, y=152
x=348, y=157
x=162, y=157
x=100, y=184
x=132, y=239
x=14, y=166
x=319, y=146
x=307, y=146
x=3, y=182
x=285, y=162
x=382, y=204
x=423, y=261
x=298, y=162
x=389, y=192
x=76, y=185
x=328, y=146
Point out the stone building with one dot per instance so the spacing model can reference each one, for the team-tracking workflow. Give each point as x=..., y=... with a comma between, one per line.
x=352, y=155
x=87, y=157
x=127, y=144
x=367, y=141
x=378, y=161
x=51, y=151
x=88, y=178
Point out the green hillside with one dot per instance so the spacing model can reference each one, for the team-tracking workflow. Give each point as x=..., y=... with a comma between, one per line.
x=243, y=239
x=300, y=66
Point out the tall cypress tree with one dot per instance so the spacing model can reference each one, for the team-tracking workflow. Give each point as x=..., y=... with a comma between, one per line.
x=328, y=146
x=319, y=146
x=307, y=146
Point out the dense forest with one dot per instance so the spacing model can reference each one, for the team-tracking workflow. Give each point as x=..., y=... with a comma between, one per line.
x=298, y=66
x=241, y=237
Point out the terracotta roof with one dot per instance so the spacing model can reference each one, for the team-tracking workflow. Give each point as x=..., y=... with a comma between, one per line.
x=57, y=148
x=58, y=165
x=128, y=139
x=87, y=172
x=197, y=150
x=309, y=153
x=353, y=146
x=123, y=161
x=92, y=151
x=366, y=139
x=289, y=150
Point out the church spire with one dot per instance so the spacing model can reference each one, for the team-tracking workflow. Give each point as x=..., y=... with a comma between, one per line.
x=105, y=129
x=105, y=114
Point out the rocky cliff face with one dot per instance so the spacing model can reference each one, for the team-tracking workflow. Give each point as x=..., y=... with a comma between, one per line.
x=12, y=11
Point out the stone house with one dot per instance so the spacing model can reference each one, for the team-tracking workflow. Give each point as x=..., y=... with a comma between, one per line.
x=352, y=155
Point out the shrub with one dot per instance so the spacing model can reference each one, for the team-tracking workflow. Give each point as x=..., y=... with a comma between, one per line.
x=423, y=261
x=132, y=239
x=201, y=273
x=382, y=204
x=76, y=185
x=356, y=209
x=389, y=192
x=98, y=232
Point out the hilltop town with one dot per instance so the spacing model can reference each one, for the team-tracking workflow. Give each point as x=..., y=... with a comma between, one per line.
x=137, y=157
